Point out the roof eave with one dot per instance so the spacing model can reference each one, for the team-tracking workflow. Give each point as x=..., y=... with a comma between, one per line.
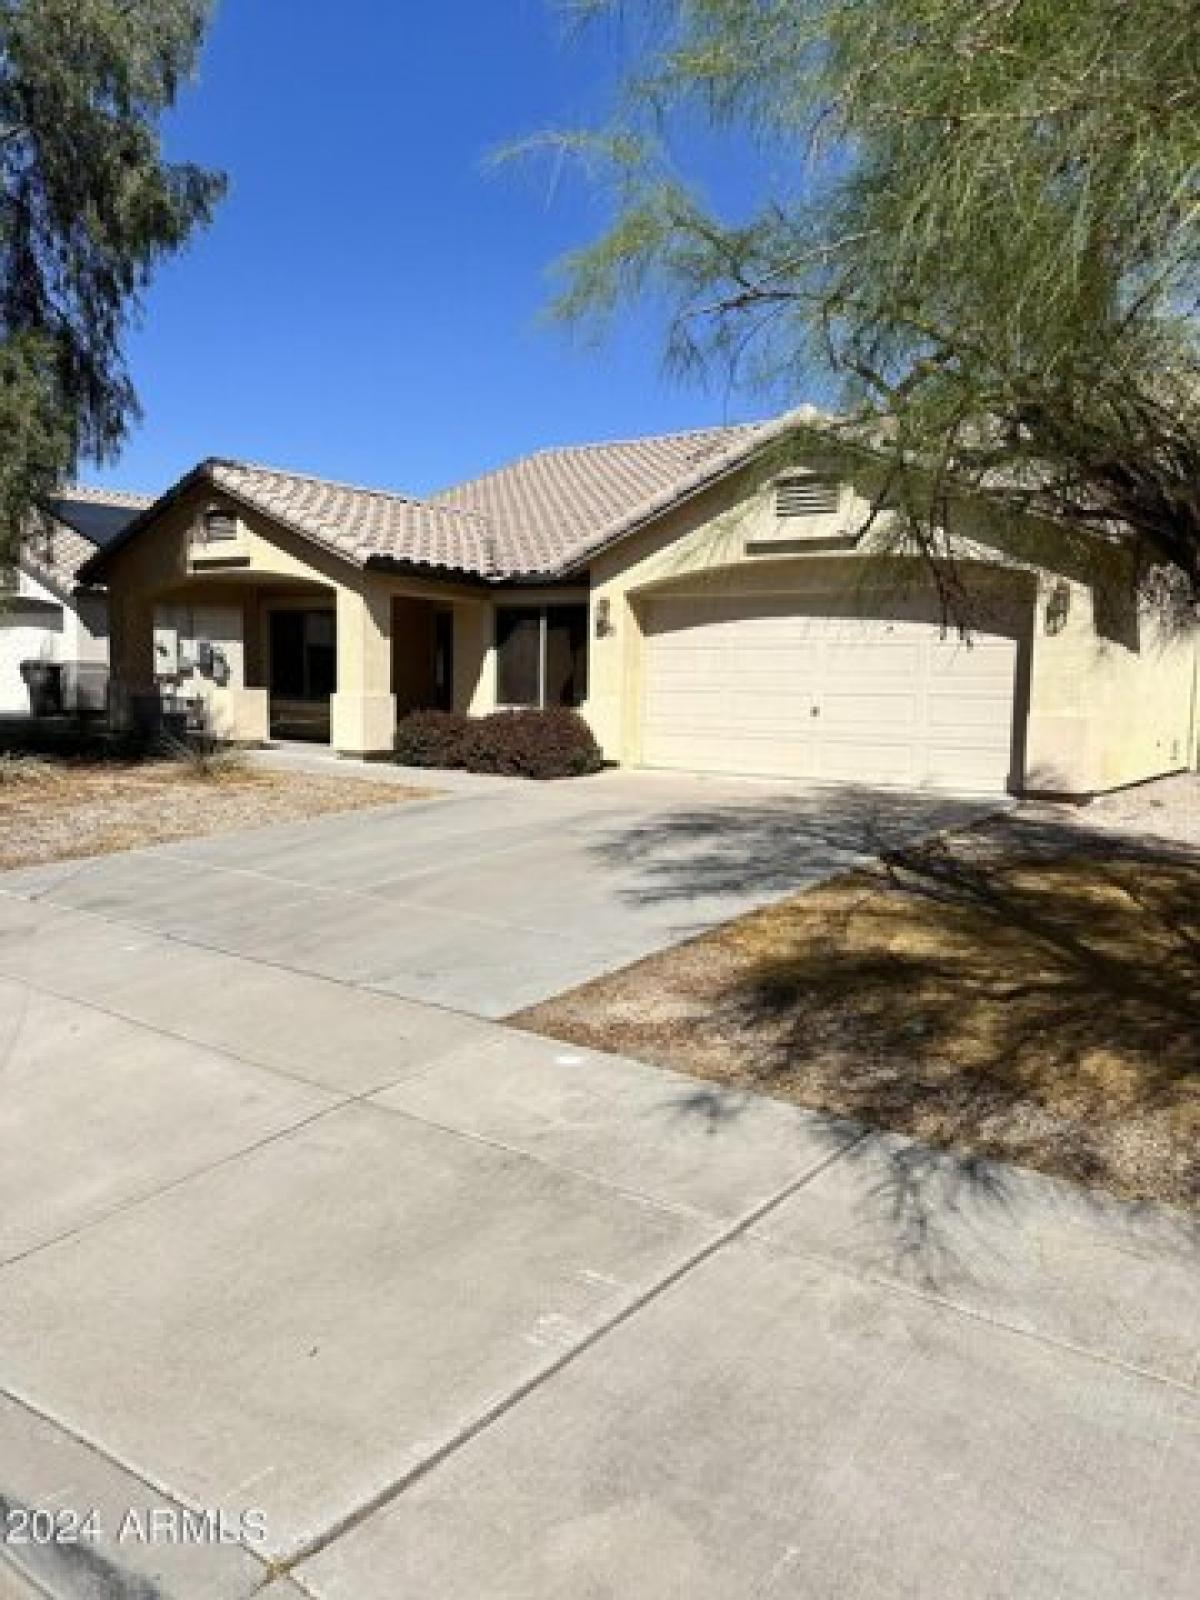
x=205, y=472
x=380, y=561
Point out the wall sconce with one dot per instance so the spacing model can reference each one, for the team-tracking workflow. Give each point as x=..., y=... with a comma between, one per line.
x=1058, y=607
x=604, y=625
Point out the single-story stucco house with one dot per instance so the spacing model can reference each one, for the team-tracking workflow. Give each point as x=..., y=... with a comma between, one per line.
x=708, y=601
x=46, y=613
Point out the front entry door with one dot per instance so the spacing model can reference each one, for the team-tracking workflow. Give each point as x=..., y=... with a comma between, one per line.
x=303, y=673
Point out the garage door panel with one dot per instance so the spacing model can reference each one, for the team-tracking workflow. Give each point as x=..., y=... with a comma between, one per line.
x=776, y=685
x=879, y=655
x=877, y=713
x=892, y=762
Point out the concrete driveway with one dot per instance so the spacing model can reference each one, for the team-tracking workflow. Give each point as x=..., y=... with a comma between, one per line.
x=308, y=1288
x=492, y=899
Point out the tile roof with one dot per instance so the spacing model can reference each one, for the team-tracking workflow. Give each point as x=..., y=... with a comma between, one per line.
x=360, y=523
x=539, y=517
x=552, y=509
x=54, y=550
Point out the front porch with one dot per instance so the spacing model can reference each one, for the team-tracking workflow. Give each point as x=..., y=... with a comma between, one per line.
x=261, y=659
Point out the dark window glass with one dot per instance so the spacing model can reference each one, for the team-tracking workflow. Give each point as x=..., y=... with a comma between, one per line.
x=566, y=655
x=303, y=655
x=443, y=660
x=287, y=654
x=518, y=649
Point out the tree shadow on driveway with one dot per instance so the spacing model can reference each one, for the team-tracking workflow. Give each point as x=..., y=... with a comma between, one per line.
x=759, y=849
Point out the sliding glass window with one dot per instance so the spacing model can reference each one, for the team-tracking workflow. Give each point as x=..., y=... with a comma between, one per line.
x=541, y=655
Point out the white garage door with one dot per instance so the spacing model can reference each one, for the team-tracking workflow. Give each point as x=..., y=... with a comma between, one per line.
x=778, y=686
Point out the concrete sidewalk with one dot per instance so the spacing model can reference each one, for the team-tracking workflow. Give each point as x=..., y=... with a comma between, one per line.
x=464, y=1313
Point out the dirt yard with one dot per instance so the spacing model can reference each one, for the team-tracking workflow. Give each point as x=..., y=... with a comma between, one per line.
x=55, y=809
x=1026, y=989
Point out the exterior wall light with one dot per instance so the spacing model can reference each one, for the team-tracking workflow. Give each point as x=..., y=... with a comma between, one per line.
x=1058, y=607
x=604, y=625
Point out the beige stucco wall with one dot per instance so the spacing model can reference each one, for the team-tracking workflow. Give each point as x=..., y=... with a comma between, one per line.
x=274, y=567
x=1099, y=711
x=1102, y=704
x=1107, y=711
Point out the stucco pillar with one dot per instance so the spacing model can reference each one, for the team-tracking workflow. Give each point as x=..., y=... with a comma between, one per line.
x=363, y=711
x=131, y=639
x=131, y=654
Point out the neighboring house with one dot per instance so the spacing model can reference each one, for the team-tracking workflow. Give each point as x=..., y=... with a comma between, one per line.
x=707, y=601
x=46, y=614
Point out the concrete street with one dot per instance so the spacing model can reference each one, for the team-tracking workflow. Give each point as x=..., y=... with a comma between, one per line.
x=290, y=1225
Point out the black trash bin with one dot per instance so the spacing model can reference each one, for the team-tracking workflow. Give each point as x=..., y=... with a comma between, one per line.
x=44, y=682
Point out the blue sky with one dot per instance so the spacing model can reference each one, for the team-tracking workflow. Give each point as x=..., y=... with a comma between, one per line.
x=366, y=304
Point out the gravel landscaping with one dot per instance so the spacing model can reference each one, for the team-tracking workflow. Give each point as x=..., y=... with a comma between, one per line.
x=54, y=809
x=1167, y=809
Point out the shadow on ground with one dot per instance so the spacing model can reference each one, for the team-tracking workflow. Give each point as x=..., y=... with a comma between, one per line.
x=1024, y=989
x=765, y=847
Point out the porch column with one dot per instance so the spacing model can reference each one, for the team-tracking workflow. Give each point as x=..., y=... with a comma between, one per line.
x=363, y=711
x=131, y=638
x=131, y=653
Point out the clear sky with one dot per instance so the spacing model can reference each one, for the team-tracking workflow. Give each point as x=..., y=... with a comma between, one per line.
x=366, y=304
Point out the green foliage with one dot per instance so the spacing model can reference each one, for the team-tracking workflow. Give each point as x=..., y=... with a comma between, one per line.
x=88, y=207
x=984, y=222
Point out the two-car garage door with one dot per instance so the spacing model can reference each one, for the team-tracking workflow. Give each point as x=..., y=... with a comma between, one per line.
x=787, y=686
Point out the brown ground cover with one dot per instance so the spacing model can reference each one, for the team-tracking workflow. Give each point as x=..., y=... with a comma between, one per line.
x=56, y=809
x=1027, y=989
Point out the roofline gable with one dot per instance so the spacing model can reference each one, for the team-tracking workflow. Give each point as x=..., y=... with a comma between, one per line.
x=751, y=441
x=707, y=476
x=204, y=472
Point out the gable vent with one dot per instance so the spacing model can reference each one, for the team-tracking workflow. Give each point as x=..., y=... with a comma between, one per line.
x=220, y=524
x=808, y=496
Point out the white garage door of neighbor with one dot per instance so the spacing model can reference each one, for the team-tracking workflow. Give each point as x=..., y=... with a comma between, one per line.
x=778, y=687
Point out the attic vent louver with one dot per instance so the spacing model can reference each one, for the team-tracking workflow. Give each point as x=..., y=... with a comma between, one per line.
x=807, y=496
x=219, y=524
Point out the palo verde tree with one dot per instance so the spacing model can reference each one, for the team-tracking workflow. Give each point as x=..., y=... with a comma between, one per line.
x=88, y=206
x=983, y=220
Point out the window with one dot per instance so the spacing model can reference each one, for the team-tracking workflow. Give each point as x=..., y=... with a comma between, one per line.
x=220, y=525
x=541, y=655
x=303, y=654
x=807, y=496
x=518, y=656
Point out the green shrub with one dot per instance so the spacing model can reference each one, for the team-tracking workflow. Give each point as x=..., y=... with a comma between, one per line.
x=555, y=743
x=432, y=739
